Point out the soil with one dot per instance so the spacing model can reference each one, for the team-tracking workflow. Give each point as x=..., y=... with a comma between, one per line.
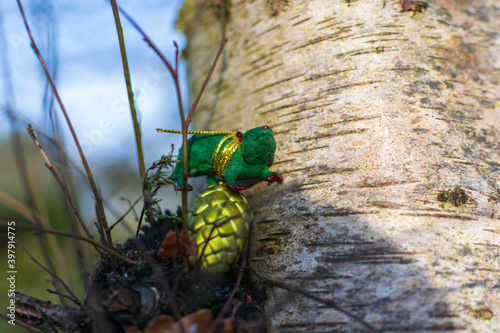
x=163, y=286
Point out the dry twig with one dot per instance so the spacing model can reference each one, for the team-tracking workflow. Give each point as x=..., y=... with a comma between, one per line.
x=112, y=252
x=54, y=276
x=100, y=209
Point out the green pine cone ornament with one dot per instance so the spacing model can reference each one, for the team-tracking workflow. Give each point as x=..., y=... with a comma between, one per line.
x=219, y=220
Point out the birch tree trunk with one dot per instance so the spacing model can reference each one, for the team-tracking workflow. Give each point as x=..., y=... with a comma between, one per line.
x=375, y=111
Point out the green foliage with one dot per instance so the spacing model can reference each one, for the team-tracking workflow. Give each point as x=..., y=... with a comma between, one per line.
x=151, y=184
x=456, y=197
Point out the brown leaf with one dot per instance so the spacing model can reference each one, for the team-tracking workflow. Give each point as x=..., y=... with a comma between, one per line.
x=182, y=244
x=160, y=324
x=228, y=325
x=196, y=322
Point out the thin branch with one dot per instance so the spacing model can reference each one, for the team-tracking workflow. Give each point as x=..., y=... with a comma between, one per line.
x=314, y=297
x=158, y=276
x=126, y=213
x=228, y=302
x=20, y=323
x=209, y=75
x=149, y=42
x=54, y=276
x=126, y=72
x=56, y=176
x=101, y=214
x=175, y=76
x=133, y=211
x=241, y=271
x=23, y=173
x=142, y=216
x=74, y=300
x=176, y=56
x=138, y=228
x=185, y=154
x=32, y=211
x=78, y=237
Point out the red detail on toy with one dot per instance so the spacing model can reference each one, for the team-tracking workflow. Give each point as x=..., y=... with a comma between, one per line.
x=181, y=189
x=239, y=136
x=266, y=127
x=274, y=176
x=238, y=188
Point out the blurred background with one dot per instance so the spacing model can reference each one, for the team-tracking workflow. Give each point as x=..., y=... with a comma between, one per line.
x=78, y=40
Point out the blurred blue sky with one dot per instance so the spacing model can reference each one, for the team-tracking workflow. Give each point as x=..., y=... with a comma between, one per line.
x=90, y=75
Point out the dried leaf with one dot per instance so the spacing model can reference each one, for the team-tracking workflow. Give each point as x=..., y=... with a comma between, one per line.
x=228, y=325
x=196, y=322
x=160, y=324
x=182, y=244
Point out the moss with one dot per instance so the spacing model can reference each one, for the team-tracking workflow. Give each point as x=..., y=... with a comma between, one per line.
x=185, y=16
x=188, y=9
x=456, y=197
x=465, y=251
x=481, y=313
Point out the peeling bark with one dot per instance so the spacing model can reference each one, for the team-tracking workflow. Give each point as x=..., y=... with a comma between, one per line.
x=376, y=110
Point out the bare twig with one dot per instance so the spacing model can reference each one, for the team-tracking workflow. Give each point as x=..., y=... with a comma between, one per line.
x=184, y=121
x=101, y=213
x=209, y=75
x=130, y=204
x=126, y=72
x=20, y=323
x=139, y=224
x=57, y=141
x=138, y=228
x=149, y=42
x=229, y=300
x=126, y=213
x=78, y=237
x=175, y=76
x=32, y=209
x=158, y=276
x=64, y=189
x=54, y=276
x=36, y=217
x=74, y=300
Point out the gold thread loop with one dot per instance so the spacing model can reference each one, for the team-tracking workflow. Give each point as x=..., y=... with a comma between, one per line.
x=197, y=132
x=217, y=150
x=220, y=162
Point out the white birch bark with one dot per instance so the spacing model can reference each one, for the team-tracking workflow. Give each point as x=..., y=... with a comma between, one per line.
x=374, y=111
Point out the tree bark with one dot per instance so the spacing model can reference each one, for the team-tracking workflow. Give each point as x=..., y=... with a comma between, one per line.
x=375, y=111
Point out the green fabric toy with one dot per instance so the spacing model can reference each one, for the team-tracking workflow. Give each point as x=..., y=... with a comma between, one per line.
x=231, y=157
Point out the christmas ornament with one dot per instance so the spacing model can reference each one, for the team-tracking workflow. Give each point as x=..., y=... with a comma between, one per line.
x=231, y=157
x=219, y=220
